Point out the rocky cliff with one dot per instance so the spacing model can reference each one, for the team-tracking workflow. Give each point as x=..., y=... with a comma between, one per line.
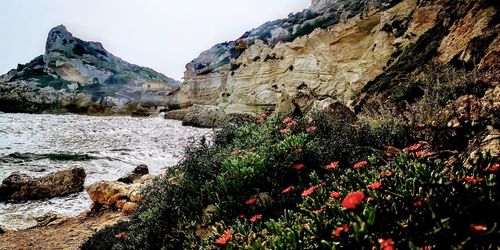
x=353, y=52
x=80, y=76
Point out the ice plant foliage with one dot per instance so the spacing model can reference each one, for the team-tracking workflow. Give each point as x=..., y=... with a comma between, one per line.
x=352, y=200
x=224, y=238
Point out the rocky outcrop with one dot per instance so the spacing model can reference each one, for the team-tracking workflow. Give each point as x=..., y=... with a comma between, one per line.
x=342, y=50
x=118, y=195
x=21, y=187
x=204, y=116
x=138, y=172
x=80, y=76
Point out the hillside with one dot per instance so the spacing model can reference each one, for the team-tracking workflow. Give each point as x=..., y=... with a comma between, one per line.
x=377, y=128
x=353, y=52
x=81, y=77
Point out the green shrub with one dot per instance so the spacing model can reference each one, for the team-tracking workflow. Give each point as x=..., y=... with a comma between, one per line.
x=246, y=171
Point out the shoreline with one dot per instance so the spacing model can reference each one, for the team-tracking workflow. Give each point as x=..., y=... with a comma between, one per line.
x=69, y=233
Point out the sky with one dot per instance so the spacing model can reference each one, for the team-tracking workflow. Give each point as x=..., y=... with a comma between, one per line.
x=161, y=34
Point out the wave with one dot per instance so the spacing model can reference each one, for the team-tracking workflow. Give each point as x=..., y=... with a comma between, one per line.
x=27, y=157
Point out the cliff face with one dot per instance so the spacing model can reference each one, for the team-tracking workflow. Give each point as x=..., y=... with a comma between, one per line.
x=79, y=76
x=338, y=50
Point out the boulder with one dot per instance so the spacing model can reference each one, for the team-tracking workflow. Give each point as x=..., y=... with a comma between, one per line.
x=177, y=114
x=21, y=187
x=107, y=193
x=472, y=110
x=138, y=172
x=204, y=116
x=129, y=207
x=118, y=195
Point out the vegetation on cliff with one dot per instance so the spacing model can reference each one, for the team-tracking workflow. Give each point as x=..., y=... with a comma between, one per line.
x=397, y=178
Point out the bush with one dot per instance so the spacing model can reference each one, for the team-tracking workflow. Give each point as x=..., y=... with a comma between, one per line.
x=266, y=182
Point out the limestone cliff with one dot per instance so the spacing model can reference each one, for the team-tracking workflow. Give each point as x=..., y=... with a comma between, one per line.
x=79, y=76
x=338, y=50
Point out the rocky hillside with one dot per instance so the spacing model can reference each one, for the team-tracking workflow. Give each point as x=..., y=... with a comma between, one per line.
x=80, y=76
x=353, y=52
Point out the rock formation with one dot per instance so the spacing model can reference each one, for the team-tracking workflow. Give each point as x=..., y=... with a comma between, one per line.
x=82, y=77
x=118, y=195
x=345, y=51
x=21, y=187
x=138, y=172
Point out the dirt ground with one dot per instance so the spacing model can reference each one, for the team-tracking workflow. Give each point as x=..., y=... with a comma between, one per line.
x=69, y=234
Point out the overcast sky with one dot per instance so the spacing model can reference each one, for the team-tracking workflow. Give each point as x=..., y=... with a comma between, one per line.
x=160, y=34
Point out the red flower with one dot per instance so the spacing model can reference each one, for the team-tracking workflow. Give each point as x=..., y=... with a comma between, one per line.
x=337, y=231
x=478, y=228
x=121, y=235
x=375, y=185
x=420, y=153
x=289, y=121
x=360, y=164
x=251, y=201
x=332, y=165
x=258, y=121
x=298, y=166
x=256, y=217
x=386, y=244
x=493, y=168
x=353, y=199
x=471, y=179
x=241, y=216
x=308, y=191
x=335, y=195
x=317, y=211
x=309, y=120
x=386, y=174
x=263, y=115
x=425, y=248
x=285, y=131
x=417, y=203
x=287, y=190
x=413, y=148
x=224, y=238
x=310, y=129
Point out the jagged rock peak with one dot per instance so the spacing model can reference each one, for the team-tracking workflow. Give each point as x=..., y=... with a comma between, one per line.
x=60, y=39
x=320, y=5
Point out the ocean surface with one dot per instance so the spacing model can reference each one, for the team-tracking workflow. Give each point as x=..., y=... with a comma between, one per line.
x=106, y=147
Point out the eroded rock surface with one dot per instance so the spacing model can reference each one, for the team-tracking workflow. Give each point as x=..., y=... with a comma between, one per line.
x=21, y=187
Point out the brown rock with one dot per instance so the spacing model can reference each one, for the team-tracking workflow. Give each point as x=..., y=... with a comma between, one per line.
x=23, y=187
x=107, y=192
x=129, y=207
x=120, y=203
x=138, y=172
